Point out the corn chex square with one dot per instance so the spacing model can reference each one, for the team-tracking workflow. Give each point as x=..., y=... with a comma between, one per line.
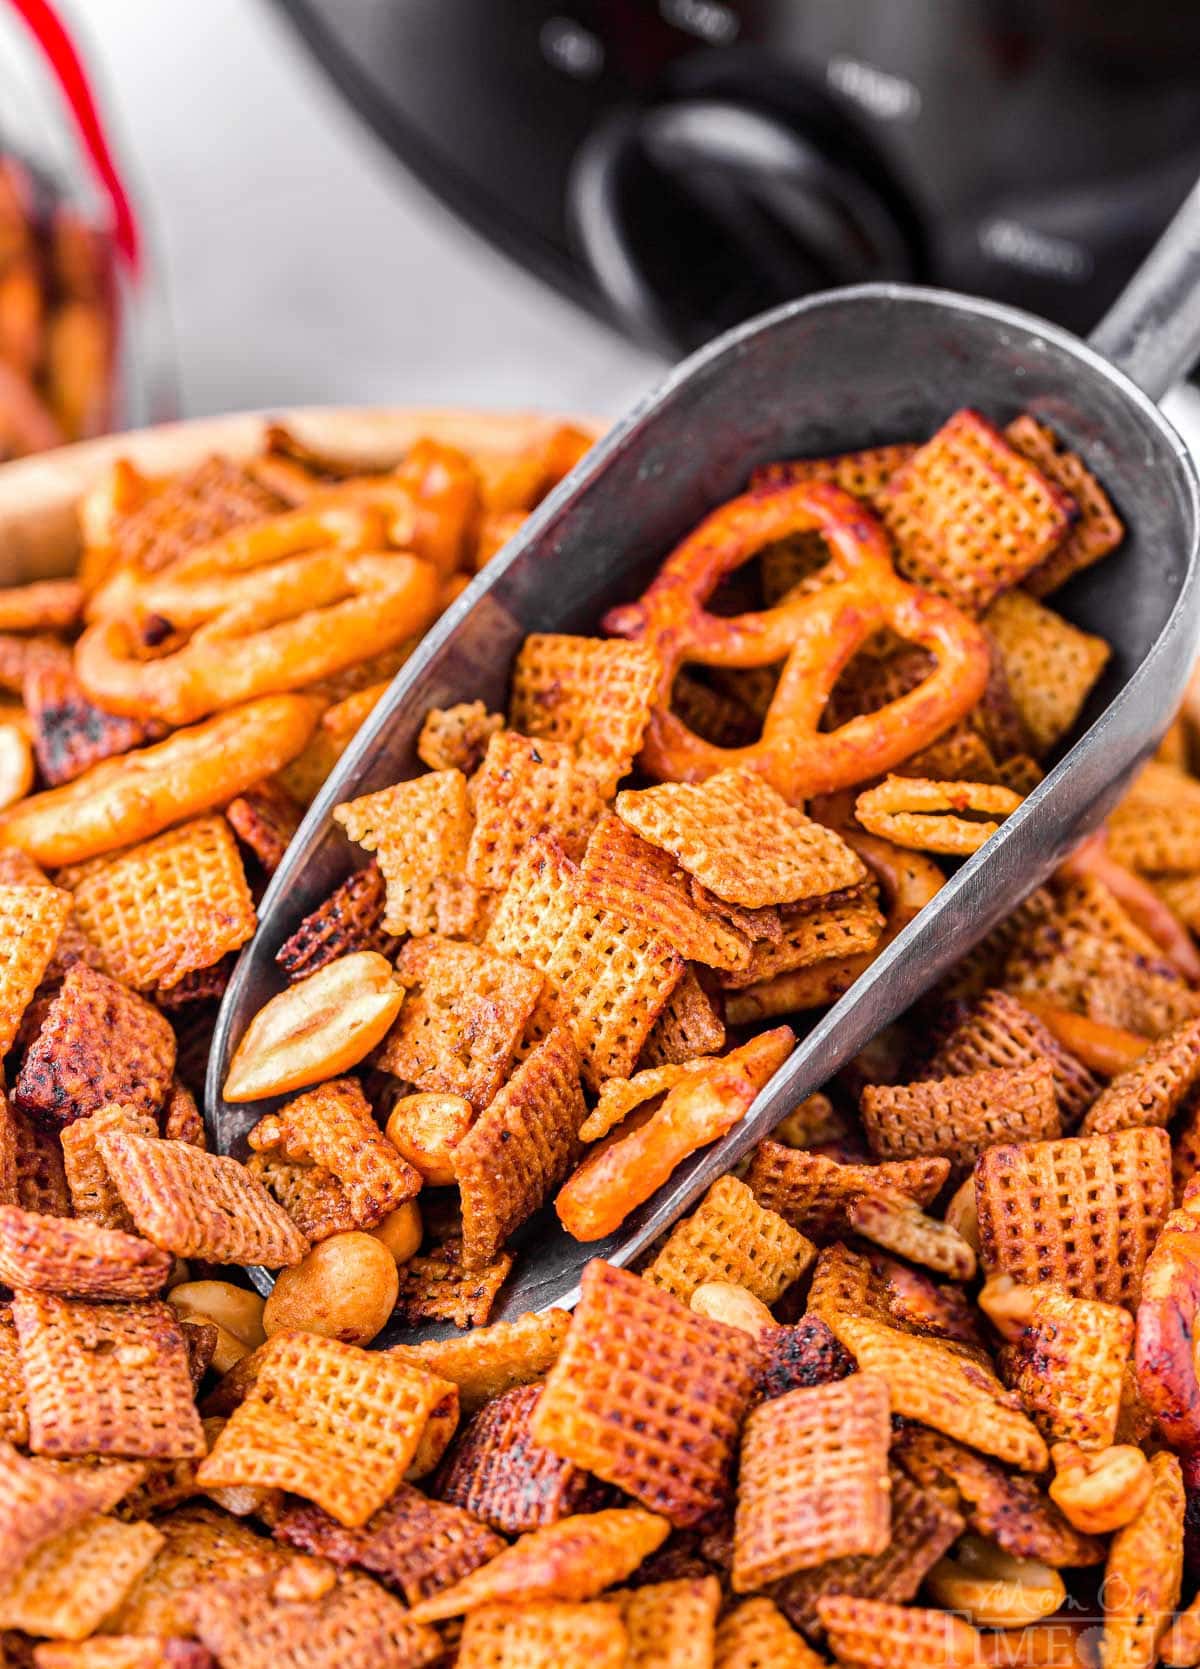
x=742, y=840
x=419, y=830
x=671, y=1625
x=69, y=1585
x=325, y=1420
x=1098, y=529
x=76, y=1258
x=546, y=1635
x=93, y=1192
x=528, y=786
x=535, y=907
x=961, y=1117
x=491, y=1360
x=594, y=694
x=1051, y=665
x=173, y=904
x=31, y=919
x=730, y=1237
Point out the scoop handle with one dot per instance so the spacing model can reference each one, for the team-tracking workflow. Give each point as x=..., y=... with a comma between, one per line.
x=1152, y=330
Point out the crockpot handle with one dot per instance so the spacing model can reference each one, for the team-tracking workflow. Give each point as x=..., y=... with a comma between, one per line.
x=1152, y=330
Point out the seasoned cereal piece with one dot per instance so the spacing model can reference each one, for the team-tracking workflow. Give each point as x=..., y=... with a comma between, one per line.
x=756, y=1635
x=527, y=787
x=625, y=874
x=420, y=830
x=671, y=1624
x=1153, y=1090
x=1077, y=970
x=76, y=1258
x=998, y=1031
x=182, y=1120
x=93, y=1192
x=923, y=1528
x=875, y=1634
x=265, y=818
x=98, y=1043
x=42, y=1499
x=961, y=1117
x=1068, y=1366
x=311, y=1195
x=169, y=906
x=863, y=474
x=201, y=985
x=1051, y=665
x=435, y=1286
x=197, y=1204
x=415, y=1546
x=332, y=1126
x=730, y=1237
x=14, y=1415
x=122, y=1651
x=536, y=906
x=200, y=1545
x=812, y=1192
x=845, y=924
x=689, y=1024
x=802, y=1355
x=462, y=1019
x=708, y=826
x=813, y=1481
x=69, y=732
x=70, y=1584
x=1097, y=530
x=647, y=1395
x=192, y=508
x=348, y=1623
x=106, y=1379
x=520, y=1148
x=593, y=694
x=1153, y=828
x=325, y=1420
x=610, y=980
x=31, y=921
x=891, y=1220
x=547, y=1635
x=491, y=1360
x=1144, y=1573
x=41, y=1183
x=456, y=738
x=1081, y=1213
x=970, y=516
x=350, y=919
x=999, y=1505
x=574, y=1559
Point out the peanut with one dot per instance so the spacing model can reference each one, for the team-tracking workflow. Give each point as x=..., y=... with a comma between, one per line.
x=344, y=1289
x=727, y=1302
x=1100, y=1491
x=994, y=1589
x=427, y=1127
x=401, y=1231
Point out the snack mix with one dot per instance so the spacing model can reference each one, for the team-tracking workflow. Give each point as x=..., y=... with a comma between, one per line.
x=912, y=1389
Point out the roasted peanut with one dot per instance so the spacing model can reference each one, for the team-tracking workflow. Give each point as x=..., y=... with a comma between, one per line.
x=316, y=1029
x=1100, y=1491
x=16, y=765
x=727, y=1302
x=427, y=1127
x=994, y=1589
x=344, y=1289
x=1010, y=1308
x=401, y=1231
x=815, y=1120
x=236, y=1313
x=960, y=1214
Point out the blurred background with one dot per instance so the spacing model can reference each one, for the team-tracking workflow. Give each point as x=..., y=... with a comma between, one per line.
x=517, y=203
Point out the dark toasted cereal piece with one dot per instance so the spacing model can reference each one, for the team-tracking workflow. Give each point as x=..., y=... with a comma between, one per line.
x=1154, y=1089
x=1097, y=530
x=756, y=1635
x=671, y=1624
x=998, y=1031
x=41, y=1183
x=161, y=910
x=525, y=787
x=333, y=1126
x=182, y=1120
x=961, y=1117
x=1081, y=1213
x=190, y=509
x=805, y=1354
x=415, y=1546
x=69, y=1585
x=545, y=1635
x=1068, y=1366
x=491, y=1360
x=350, y=1623
x=41, y=1499
x=328, y=1421
x=98, y=1043
x=730, y=1237
x=923, y=1528
x=591, y=693
x=456, y=738
x=31, y=921
x=574, y=1559
x=420, y=829
x=497, y=1471
x=1051, y=665
x=813, y=1482
x=14, y=1415
x=462, y=1019
x=76, y=1258
x=660, y=1421
x=265, y=818
x=435, y=1286
x=106, y=1379
x=742, y=840
x=70, y=733
x=847, y=923
x=688, y=1025
x=312, y=1196
x=197, y=1204
x=969, y=515
x=93, y=1192
x=812, y=1192
x=877, y=1635
x=350, y=919
x=520, y=1148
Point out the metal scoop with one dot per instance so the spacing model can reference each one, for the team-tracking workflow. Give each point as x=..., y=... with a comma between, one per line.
x=848, y=369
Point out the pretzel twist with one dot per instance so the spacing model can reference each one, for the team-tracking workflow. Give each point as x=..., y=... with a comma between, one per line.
x=814, y=635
